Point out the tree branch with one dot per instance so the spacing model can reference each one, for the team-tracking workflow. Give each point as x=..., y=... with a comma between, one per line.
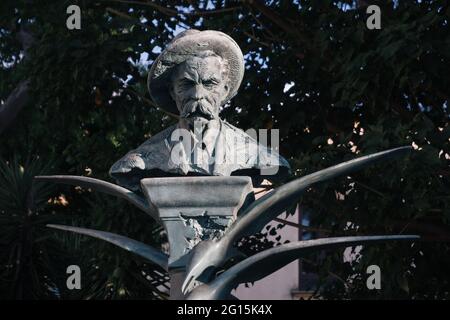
x=289, y=29
x=13, y=104
x=150, y=103
x=172, y=12
x=126, y=16
x=164, y=10
x=277, y=19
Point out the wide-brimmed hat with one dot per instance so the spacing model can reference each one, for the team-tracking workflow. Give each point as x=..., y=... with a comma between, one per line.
x=187, y=44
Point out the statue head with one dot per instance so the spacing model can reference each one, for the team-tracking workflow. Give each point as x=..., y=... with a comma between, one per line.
x=193, y=77
x=200, y=85
x=196, y=74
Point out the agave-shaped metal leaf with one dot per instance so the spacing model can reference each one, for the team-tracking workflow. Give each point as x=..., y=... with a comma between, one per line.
x=265, y=209
x=105, y=187
x=151, y=254
x=268, y=207
x=266, y=262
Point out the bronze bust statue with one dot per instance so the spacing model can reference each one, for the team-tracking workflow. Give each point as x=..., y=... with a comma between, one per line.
x=205, y=217
x=194, y=77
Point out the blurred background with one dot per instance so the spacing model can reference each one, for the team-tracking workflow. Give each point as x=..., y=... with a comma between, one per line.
x=74, y=101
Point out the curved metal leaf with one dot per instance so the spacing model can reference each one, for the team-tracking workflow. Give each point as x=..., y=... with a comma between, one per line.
x=139, y=248
x=265, y=209
x=268, y=207
x=266, y=262
x=105, y=187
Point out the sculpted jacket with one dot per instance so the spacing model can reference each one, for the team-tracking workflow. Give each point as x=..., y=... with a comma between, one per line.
x=224, y=151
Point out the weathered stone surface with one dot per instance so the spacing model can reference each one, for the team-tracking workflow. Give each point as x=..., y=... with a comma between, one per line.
x=193, y=209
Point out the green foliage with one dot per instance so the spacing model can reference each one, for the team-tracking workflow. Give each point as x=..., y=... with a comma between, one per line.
x=355, y=91
x=27, y=252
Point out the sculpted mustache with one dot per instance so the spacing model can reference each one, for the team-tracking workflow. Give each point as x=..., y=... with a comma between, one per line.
x=201, y=106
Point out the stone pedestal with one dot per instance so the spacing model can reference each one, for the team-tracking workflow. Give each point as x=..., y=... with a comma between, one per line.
x=193, y=209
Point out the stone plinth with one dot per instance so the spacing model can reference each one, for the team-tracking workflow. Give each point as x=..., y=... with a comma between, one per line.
x=193, y=209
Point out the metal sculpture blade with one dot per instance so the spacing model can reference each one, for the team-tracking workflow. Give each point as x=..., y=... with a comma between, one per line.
x=151, y=254
x=105, y=187
x=266, y=262
x=274, y=203
x=265, y=209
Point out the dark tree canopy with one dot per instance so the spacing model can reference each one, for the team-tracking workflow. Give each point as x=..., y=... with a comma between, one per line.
x=74, y=101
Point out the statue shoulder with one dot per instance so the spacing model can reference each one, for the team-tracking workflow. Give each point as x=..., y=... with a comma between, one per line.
x=158, y=138
x=141, y=157
x=251, y=152
x=236, y=133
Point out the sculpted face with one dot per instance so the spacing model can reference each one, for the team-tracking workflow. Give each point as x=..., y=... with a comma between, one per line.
x=199, y=87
